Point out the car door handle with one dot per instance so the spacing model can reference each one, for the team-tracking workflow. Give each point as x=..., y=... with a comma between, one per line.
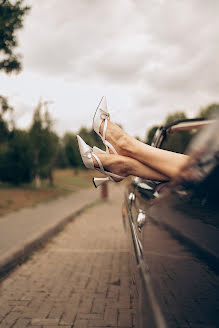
x=131, y=198
x=141, y=219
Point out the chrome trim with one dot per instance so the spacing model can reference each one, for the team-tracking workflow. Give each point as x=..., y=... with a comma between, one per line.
x=141, y=219
x=159, y=321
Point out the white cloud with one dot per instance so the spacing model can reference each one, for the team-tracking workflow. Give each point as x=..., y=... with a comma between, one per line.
x=148, y=57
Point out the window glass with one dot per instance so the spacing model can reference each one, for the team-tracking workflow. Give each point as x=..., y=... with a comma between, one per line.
x=178, y=141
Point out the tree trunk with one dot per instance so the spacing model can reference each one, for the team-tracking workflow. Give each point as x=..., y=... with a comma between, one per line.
x=51, y=180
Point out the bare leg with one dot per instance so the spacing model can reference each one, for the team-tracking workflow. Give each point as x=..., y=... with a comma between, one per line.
x=125, y=166
x=166, y=162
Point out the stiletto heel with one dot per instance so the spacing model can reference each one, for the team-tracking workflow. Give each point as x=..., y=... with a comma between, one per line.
x=99, y=181
x=100, y=115
x=86, y=154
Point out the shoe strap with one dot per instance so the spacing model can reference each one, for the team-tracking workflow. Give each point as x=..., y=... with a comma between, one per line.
x=114, y=175
x=107, y=143
x=99, y=162
x=101, y=169
x=104, y=129
x=111, y=175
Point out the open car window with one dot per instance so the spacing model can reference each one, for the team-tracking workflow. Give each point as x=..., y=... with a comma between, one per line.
x=178, y=135
x=200, y=176
x=178, y=141
x=192, y=137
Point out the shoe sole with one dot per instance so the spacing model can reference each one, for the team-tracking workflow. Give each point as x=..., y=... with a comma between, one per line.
x=94, y=183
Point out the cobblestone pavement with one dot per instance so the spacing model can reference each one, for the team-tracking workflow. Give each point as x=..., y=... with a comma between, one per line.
x=79, y=279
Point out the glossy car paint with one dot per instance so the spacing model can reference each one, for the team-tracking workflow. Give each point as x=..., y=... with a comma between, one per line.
x=174, y=256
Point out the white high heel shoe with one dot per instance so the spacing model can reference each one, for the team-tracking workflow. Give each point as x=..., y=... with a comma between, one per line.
x=86, y=154
x=100, y=115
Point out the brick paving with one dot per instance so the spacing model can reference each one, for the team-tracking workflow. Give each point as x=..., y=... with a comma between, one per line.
x=79, y=279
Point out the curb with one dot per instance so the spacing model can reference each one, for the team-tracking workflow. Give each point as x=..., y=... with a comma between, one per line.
x=18, y=255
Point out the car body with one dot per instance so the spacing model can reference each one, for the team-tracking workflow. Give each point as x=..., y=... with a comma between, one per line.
x=173, y=239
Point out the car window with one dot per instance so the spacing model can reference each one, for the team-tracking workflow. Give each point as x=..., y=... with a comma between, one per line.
x=178, y=141
x=200, y=175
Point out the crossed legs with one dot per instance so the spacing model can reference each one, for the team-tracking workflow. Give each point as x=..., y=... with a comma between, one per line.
x=125, y=166
x=139, y=159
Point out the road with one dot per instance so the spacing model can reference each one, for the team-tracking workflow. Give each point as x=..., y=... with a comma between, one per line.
x=79, y=279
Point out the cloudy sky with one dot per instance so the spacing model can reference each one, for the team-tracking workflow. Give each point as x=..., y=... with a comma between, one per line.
x=148, y=57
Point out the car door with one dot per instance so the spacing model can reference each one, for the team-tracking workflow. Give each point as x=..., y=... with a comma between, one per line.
x=180, y=247
x=137, y=201
x=180, y=241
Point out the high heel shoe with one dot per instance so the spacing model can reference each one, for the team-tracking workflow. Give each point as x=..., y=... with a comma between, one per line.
x=86, y=154
x=100, y=115
x=98, y=181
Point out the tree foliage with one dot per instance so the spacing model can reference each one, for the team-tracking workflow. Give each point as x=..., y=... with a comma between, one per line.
x=44, y=142
x=4, y=128
x=61, y=160
x=150, y=134
x=179, y=115
x=11, y=20
x=70, y=145
x=209, y=111
x=176, y=142
x=16, y=159
x=71, y=149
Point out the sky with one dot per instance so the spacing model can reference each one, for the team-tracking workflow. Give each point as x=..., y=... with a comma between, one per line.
x=149, y=58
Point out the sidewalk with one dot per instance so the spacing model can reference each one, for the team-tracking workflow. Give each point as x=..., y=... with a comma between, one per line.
x=80, y=279
x=24, y=230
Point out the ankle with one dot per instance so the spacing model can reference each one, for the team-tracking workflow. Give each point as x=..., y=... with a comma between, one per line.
x=125, y=145
x=95, y=162
x=101, y=127
x=123, y=166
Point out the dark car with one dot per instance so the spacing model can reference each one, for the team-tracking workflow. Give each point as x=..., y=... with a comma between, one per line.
x=173, y=234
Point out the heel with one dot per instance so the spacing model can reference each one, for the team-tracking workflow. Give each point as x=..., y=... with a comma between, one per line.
x=98, y=181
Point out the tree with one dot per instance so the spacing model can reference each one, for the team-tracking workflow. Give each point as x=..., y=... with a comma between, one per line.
x=72, y=154
x=4, y=129
x=45, y=144
x=70, y=145
x=150, y=134
x=209, y=111
x=179, y=115
x=61, y=158
x=179, y=141
x=175, y=142
x=16, y=159
x=90, y=137
x=11, y=20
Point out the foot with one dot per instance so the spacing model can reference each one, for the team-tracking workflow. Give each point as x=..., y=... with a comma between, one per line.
x=120, y=140
x=113, y=163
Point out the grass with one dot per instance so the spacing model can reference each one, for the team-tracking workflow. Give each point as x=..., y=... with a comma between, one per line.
x=73, y=180
x=65, y=181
